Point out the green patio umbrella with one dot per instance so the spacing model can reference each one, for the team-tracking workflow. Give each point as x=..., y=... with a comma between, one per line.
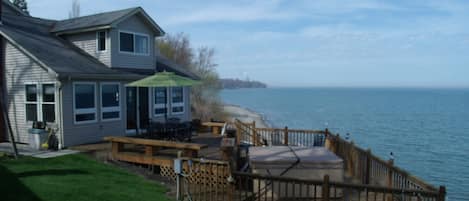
x=164, y=79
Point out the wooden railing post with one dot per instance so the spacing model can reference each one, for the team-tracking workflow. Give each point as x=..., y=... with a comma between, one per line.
x=442, y=193
x=238, y=132
x=351, y=157
x=254, y=133
x=368, y=166
x=390, y=182
x=116, y=148
x=285, y=136
x=326, y=188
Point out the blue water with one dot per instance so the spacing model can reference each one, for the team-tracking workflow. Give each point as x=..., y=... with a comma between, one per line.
x=426, y=129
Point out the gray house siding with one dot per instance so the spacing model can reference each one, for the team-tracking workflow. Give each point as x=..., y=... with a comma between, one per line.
x=127, y=60
x=75, y=134
x=19, y=69
x=94, y=132
x=88, y=42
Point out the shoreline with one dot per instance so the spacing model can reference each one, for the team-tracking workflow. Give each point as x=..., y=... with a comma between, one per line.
x=246, y=115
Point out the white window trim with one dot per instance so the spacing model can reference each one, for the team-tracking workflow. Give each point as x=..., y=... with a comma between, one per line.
x=31, y=102
x=86, y=110
x=110, y=109
x=105, y=39
x=160, y=105
x=178, y=104
x=39, y=102
x=133, y=33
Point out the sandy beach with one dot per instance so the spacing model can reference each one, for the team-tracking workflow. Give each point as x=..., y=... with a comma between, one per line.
x=245, y=115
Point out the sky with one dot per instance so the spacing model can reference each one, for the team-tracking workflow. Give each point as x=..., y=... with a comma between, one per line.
x=303, y=43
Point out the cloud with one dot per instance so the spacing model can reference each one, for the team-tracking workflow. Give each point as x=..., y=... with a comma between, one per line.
x=344, y=41
x=229, y=12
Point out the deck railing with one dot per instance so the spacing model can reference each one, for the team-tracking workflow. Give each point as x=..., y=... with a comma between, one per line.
x=250, y=134
x=361, y=165
x=262, y=187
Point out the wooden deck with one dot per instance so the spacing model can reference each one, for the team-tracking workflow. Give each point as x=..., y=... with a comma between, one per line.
x=367, y=176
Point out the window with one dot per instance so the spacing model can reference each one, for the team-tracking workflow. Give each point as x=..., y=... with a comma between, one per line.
x=126, y=42
x=40, y=102
x=177, y=103
x=101, y=35
x=161, y=97
x=31, y=102
x=110, y=101
x=48, y=102
x=141, y=44
x=84, y=102
x=134, y=43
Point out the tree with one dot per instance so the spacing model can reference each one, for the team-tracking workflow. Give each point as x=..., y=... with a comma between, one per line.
x=205, y=101
x=22, y=5
x=75, y=12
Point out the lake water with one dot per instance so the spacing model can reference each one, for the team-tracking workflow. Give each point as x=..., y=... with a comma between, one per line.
x=426, y=129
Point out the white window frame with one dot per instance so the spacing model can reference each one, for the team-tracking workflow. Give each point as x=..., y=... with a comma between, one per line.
x=134, y=34
x=39, y=100
x=160, y=105
x=105, y=41
x=178, y=104
x=26, y=102
x=86, y=110
x=48, y=103
x=110, y=109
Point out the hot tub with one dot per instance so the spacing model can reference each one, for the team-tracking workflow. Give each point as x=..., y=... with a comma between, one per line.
x=311, y=163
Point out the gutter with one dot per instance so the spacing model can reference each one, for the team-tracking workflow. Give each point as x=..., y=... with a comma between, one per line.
x=129, y=76
x=74, y=31
x=61, y=124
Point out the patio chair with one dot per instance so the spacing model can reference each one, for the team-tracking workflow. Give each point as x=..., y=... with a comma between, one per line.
x=156, y=130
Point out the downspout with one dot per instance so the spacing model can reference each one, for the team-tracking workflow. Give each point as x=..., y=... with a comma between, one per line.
x=61, y=117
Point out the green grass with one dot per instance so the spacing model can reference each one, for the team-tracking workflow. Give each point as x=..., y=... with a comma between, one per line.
x=72, y=178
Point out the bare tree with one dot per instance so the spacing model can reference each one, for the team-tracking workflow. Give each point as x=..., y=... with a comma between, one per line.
x=22, y=5
x=205, y=101
x=75, y=12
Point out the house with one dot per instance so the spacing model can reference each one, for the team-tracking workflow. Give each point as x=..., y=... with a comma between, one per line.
x=73, y=73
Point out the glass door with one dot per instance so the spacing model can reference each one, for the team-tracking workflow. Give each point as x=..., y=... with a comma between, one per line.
x=137, y=109
x=143, y=107
x=131, y=94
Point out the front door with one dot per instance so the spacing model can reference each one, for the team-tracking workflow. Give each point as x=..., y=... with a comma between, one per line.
x=137, y=108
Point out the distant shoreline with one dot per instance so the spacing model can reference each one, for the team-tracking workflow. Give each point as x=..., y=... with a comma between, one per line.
x=246, y=115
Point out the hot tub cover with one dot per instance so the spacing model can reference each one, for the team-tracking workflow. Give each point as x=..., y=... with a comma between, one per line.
x=280, y=157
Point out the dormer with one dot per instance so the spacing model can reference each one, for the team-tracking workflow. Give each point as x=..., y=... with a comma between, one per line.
x=120, y=39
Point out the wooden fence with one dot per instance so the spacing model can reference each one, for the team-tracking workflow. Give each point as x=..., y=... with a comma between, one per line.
x=370, y=169
x=252, y=187
x=202, y=179
x=361, y=165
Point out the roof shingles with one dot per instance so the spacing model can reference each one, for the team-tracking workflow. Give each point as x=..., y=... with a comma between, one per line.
x=32, y=34
x=101, y=19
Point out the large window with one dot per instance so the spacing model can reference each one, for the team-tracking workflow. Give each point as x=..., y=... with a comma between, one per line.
x=110, y=101
x=84, y=102
x=134, y=43
x=161, y=97
x=177, y=103
x=101, y=40
x=40, y=102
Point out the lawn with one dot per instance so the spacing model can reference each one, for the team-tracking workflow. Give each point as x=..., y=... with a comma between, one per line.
x=72, y=178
